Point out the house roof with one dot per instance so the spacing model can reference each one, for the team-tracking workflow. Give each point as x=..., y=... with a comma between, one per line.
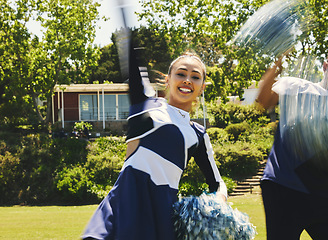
x=115, y=87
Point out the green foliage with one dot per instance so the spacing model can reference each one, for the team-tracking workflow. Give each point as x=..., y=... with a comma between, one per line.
x=217, y=135
x=230, y=113
x=33, y=66
x=104, y=163
x=10, y=173
x=74, y=185
x=238, y=160
x=247, y=145
x=35, y=168
x=38, y=169
x=193, y=181
x=207, y=27
x=230, y=183
x=188, y=188
x=79, y=126
x=96, y=174
x=30, y=164
x=236, y=129
x=108, y=66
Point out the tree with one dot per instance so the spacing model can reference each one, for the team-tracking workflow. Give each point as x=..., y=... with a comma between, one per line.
x=320, y=13
x=208, y=26
x=14, y=60
x=108, y=66
x=155, y=55
x=31, y=67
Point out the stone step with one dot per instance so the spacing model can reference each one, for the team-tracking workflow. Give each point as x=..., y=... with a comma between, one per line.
x=236, y=190
x=247, y=184
x=236, y=194
x=243, y=186
x=255, y=184
x=255, y=179
x=251, y=184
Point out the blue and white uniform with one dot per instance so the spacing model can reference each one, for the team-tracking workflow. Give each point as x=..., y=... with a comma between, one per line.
x=298, y=159
x=139, y=206
x=295, y=181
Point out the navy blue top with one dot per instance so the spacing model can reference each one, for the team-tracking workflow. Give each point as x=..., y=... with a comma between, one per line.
x=298, y=158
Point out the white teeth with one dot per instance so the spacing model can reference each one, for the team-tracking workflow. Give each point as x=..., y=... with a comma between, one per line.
x=185, y=90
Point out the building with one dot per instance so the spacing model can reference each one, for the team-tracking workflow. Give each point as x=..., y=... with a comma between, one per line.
x=106, y=106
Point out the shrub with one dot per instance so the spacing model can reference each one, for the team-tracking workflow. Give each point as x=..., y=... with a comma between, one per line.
x=80, y=126
x=93, y=178
x=193, y=181
x=30, y=163
x=224, y=114
x=238, y=160
x=114, y=145
x=230, y=183
x=272, y=127
x=236, y=129
x=35, y=168
x=74, y=185
x=217, y=135
x=105, y=160
x=103, y=169
x=261, y=137
x=10, y=177
x=68, y=152
x=188, y=188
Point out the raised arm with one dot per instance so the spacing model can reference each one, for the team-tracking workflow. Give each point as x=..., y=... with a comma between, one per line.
x=139, y=84
x=267, y=98
x=130, y=60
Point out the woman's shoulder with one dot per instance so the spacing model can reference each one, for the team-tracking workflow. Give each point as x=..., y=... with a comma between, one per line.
x=200, y=129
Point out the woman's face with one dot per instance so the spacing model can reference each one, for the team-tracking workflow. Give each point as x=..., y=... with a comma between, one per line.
x=185, y=82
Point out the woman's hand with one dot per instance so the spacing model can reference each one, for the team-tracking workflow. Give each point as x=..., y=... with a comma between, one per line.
x=220, y=196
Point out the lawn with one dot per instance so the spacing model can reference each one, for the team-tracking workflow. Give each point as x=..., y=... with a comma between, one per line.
x=46, y=222
x=64, y=223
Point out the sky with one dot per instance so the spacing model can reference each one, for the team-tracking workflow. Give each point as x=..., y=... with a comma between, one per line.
x=104, y=29
x=109, y=9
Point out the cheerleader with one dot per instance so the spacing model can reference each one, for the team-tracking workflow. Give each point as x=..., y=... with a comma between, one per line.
x=295, y=181
x=160, y=141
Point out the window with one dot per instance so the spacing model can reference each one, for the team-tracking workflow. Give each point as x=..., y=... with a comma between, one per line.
x=116, y=106
x=124, y=105
x=88, y=107
x=110, y=107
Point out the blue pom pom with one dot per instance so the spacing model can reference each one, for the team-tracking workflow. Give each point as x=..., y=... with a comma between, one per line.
x=208, y=217
x=276, y=27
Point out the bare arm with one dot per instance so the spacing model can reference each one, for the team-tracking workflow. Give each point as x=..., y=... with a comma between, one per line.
x=267, y=98
x=131, y=147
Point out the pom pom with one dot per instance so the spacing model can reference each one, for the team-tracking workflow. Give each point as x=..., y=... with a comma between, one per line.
x=276, y=27
x=208, y=217
x=304, y=122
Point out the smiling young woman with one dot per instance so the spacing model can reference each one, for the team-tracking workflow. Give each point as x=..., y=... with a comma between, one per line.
x=161, y=139
x=186, y=81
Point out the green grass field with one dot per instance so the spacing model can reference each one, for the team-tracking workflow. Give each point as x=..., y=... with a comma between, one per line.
x=65, y=223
